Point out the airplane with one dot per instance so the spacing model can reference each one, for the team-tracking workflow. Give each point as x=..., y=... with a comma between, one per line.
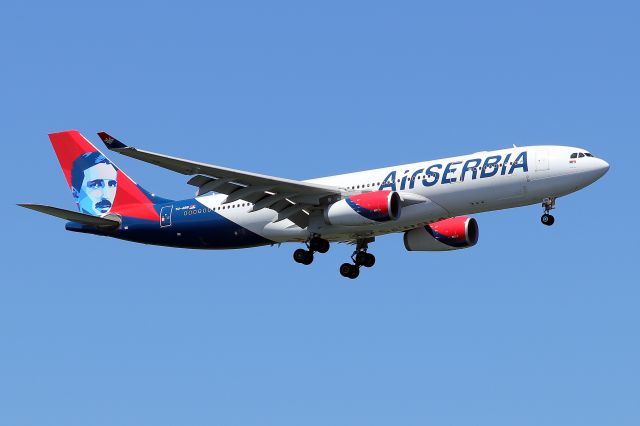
x=429, y=202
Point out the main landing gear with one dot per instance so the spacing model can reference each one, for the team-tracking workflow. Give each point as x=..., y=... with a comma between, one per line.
x=360, y=255
x=548, y=204
x=314, y=244
x=360, y=258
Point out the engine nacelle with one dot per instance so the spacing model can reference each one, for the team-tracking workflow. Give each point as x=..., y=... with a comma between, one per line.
x=364, y=209
x=449, y=234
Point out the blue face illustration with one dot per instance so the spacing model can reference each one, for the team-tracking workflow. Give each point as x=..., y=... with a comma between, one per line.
x=98, y=189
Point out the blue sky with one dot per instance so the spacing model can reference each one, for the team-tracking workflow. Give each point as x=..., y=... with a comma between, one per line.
x=532, y=326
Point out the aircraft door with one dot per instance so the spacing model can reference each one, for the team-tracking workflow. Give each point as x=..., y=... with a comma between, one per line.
x=542, y=160
x=165, y=216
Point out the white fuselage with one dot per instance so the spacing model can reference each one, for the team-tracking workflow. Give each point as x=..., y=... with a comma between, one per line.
x=467, y=184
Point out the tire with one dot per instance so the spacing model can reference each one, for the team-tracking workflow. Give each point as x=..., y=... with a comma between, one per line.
x=319, y=244
x=355, y=271
x=303, y=256
x=308, y=258
x=552, y=220
x=325, y=247
x=370, y=260
x=345, y=270
x=299, y=255
x=546, y=219
x=361, y=258
x=315, y=243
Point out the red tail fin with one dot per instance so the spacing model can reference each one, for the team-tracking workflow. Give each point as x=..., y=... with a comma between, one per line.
x=98, y=186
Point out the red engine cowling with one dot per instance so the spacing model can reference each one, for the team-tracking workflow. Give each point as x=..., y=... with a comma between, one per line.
x=449, y=234
x=364, y=209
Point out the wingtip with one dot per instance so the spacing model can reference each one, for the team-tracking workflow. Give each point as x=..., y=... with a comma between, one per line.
x=29, y=206
x=110, y=141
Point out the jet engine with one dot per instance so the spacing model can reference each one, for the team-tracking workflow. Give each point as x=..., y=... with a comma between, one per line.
x=449, y=234
x=364, y=209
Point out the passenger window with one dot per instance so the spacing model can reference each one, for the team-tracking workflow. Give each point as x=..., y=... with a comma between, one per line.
x=574, y=155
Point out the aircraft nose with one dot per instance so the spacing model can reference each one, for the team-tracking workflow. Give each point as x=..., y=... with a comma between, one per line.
x=603, y=166
x=597, y=169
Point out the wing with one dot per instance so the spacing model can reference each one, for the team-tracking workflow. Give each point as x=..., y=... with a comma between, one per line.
x=85, y=219
x=292, y=199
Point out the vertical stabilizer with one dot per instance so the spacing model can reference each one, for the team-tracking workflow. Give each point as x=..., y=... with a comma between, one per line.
x=98, y=186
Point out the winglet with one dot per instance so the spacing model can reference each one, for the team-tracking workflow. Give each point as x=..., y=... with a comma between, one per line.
x=110, y=141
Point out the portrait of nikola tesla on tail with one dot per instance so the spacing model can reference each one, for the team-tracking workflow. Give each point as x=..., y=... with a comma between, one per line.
x=94, y=181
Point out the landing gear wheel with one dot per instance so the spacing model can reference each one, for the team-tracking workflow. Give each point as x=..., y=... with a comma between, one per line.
x=303, y=256
x=355, y=271
x=369, y=261
x=548, y=204
x=360, y=258
x=365, y=259
x=345, y=269
x=348, y=270
x=547, y=219
x=324, y=248
x=319, y=244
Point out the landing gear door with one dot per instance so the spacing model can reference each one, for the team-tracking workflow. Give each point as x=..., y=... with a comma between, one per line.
x=542, y=160
x=165, y=216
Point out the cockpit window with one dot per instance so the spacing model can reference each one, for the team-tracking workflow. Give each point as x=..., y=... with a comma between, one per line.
x=574, y=155
x=588, y=154
x=581, y=155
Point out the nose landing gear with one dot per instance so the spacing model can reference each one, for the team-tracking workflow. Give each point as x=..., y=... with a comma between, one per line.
x=548, y=204
x=547, y=219
x=316, y=243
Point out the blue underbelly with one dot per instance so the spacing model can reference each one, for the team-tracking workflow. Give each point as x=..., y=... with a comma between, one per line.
x=202, y=230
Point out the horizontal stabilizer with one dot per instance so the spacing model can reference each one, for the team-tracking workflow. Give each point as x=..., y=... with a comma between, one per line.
x=85, y=219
